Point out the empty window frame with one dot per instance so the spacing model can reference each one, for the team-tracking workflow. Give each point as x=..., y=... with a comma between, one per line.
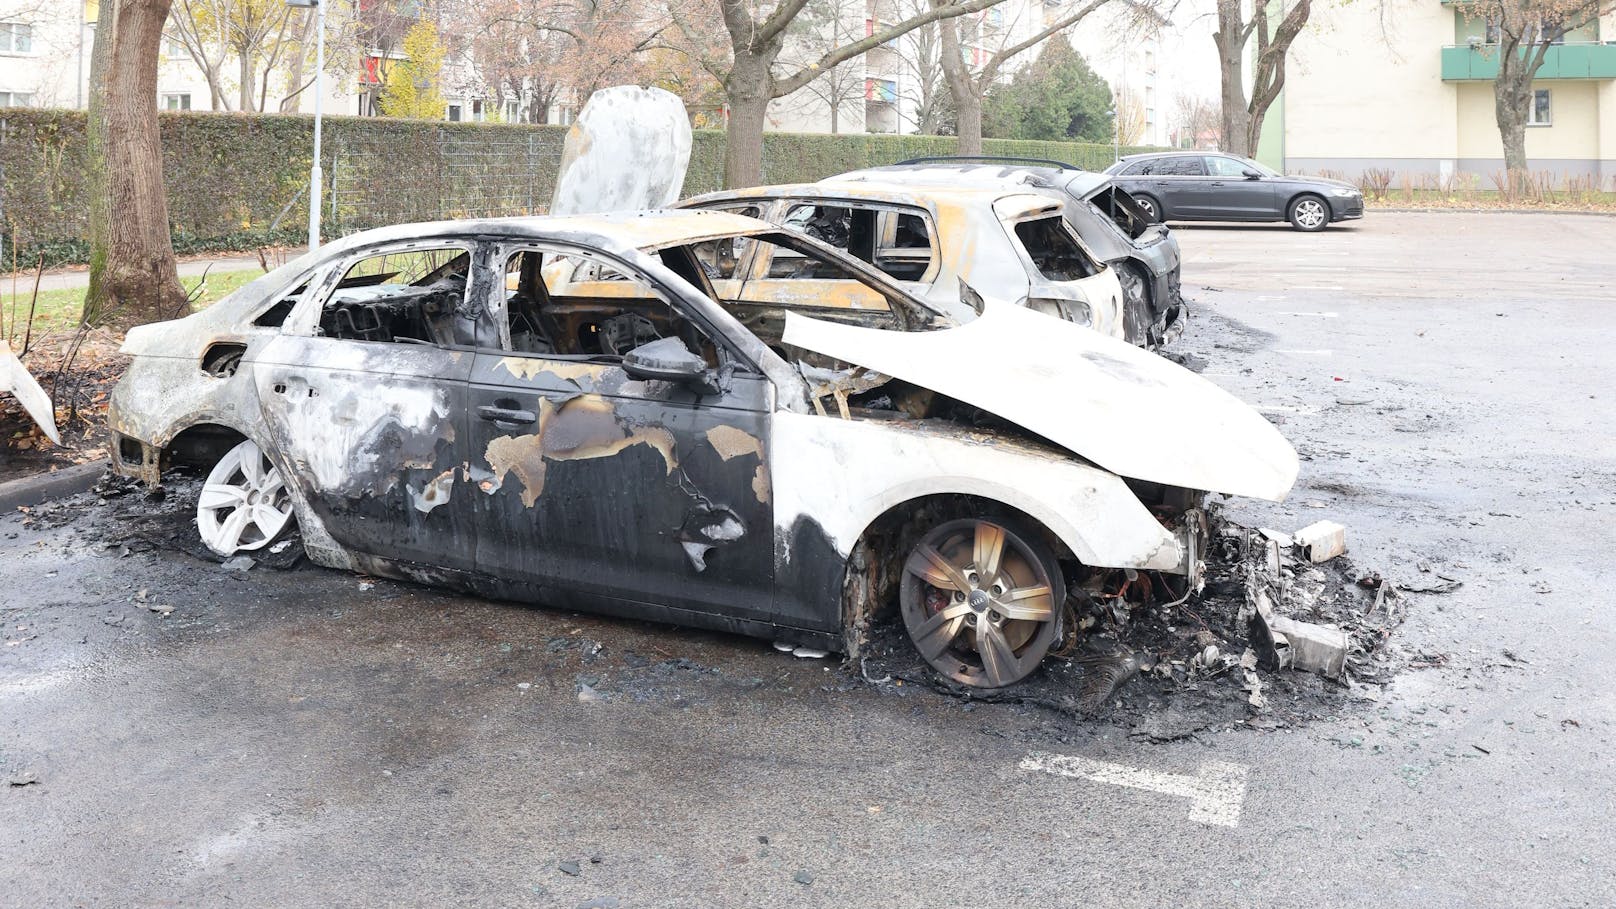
x=176, y=101
x=1054, y=251
x=406, y=296
x=899, y=242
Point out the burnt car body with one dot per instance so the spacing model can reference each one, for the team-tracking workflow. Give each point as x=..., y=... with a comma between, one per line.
x=1142, y=251
x=568, y=411
x=1209, y=186
x=946, y=243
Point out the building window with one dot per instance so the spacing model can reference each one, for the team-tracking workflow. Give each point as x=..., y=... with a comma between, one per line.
x=16, y=38
x=173, y=48
x=177, y=101
x=454, y=113
x=1541, y=113
x=479, y=112
x=16, y=99
x=513, y=111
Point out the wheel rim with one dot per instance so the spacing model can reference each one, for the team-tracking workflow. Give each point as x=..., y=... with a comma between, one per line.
x=244, y=503
x=978, y=603
x=1146, y=206
x=1309, y=213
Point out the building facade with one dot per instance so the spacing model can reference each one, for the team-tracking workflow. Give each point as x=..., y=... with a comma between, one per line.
x=1412, y=93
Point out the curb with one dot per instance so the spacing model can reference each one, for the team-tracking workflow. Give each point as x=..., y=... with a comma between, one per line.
x=43, y=487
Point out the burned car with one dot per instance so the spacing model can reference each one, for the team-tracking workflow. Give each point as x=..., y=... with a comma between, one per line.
x=946, y=243
x=569, y=411
x=1144, y=254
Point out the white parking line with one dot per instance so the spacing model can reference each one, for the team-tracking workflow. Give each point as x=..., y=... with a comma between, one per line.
x=1304, y=353
x=1321, y=315
x=1216, y=793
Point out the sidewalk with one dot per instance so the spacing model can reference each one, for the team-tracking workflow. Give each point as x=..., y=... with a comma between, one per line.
x=79, y=276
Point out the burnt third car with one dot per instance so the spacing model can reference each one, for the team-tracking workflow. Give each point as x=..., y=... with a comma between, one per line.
x=1211, y=186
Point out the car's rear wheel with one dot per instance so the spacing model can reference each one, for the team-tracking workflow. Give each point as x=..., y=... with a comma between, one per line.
x=244, y=504
x=1149, y=206
x=982, y=600
x=1309, y=213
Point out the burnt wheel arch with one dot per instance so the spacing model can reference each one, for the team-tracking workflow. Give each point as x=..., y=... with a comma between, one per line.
x=875, y=565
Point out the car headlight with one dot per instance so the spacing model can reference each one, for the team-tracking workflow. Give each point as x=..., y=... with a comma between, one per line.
x=1070, y=310
x=1346, y=192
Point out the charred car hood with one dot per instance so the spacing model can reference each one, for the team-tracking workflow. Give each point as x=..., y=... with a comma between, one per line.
x=1127, y=410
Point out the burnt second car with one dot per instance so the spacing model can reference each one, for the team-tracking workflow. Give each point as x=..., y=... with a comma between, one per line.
x=570, y=411
x=1210, y=186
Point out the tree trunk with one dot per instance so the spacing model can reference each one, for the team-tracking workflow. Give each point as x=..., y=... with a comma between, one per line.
x=133, y=278
x=246, y=103
x=1511, y=106
x=1229, y=38
x=748, y=91
x=964, y=89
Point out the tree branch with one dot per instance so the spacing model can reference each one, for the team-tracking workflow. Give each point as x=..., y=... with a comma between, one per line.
x=847, y=52
x=991, y=68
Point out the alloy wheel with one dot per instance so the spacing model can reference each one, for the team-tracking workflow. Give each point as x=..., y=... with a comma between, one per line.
x=980, y=602
x=244, y=503
x=1309, y=214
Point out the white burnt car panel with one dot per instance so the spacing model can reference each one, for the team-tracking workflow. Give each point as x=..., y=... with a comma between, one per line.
x=1004, y=244
x=609, y=413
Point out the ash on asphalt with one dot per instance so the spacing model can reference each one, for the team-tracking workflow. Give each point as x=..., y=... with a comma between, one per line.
x=1147, y=668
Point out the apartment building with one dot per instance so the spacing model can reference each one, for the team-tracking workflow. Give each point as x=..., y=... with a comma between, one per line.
x=1409, y=88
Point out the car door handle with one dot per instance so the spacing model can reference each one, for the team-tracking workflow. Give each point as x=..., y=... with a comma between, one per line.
x=506, y=417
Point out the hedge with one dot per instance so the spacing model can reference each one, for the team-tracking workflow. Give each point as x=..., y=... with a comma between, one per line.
x=238, y=181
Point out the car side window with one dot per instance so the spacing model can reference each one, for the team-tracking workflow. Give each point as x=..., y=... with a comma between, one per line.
x=408, y=296
x=572, y=304
x=1219, y=166
x=719, y=258
x=1183, y=166
x=1140, y=168
x=1053, y=251
x=900, y=243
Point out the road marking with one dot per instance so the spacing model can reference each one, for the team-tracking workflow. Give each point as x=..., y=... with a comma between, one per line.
x=1216, y=793
x=1304, y=353
x=1316, y=287
x=1321, y=315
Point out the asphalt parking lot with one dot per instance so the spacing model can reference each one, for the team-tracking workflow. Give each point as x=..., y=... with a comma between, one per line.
x=311, y=738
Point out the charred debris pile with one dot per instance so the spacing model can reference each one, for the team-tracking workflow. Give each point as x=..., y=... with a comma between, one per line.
x=1283, y=628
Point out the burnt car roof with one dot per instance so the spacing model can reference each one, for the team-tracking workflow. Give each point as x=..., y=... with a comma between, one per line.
x=1079, y=183
x=619, y=231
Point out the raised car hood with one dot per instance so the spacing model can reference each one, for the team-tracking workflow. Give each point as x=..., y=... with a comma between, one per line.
x=1127, y=410
x=627, y=151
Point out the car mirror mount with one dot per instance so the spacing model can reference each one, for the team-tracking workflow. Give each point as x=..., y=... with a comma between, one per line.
x=669, y=360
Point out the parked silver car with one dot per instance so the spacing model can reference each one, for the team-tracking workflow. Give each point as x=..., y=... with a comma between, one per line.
x=570, y=411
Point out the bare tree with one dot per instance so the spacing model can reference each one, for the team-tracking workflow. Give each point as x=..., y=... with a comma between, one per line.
x=133, y=276
x=967, y=87
x=260, y=35
x=756, y=38
x=1243, y=117
x=822, y=26
x=926, y=103
x=1130, y=117
x=1195, y=116
x=1520, y=33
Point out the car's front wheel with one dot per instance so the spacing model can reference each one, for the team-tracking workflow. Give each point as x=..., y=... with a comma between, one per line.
x=1149, y=206
x=982, y=601
x=244, y=504
x=1309, y=213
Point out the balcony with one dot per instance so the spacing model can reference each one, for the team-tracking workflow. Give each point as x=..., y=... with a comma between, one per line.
x=1479, y=62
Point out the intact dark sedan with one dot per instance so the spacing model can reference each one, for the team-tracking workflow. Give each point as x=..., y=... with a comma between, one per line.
x=1202, y=186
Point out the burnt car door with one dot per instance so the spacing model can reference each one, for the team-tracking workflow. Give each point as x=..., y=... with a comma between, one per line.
x=1232, y=194
x=363, y=397
x=602, y=478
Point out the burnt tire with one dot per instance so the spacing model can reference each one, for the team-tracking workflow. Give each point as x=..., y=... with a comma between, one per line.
x=982, y=600
x=1308, y=213
x=1148, y=204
